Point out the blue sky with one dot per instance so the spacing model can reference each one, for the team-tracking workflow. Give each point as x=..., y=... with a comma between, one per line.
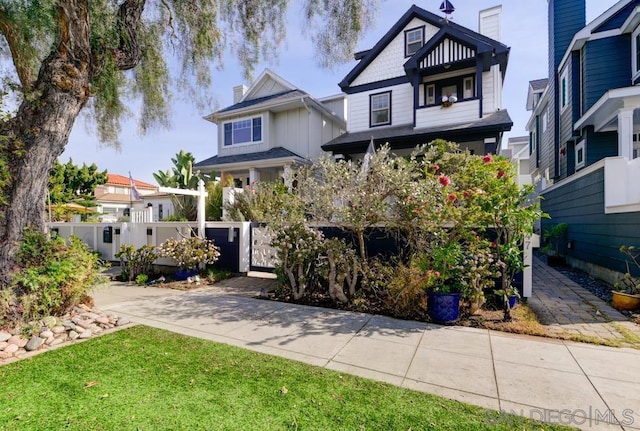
x=524, y=29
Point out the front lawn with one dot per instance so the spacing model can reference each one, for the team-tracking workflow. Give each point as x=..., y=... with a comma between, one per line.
x=149, y=379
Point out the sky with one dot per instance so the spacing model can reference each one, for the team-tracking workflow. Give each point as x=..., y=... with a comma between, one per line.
x=524, y=30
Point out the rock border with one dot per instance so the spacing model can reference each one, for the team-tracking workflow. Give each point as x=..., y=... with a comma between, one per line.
x=49, y=333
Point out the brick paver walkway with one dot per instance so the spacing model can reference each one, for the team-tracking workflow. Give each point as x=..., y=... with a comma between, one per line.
x=570, y=311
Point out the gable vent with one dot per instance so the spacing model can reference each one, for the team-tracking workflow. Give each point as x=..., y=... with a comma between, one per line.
x=448, y=51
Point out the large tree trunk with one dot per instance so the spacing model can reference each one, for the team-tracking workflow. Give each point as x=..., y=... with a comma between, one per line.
x=39, y=132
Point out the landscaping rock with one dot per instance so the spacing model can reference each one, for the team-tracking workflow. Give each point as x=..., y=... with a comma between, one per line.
x=104, y=320
x=18, y=341
x=49, y=321
x=84, y=323
x=34, y=344
x=11, y=348
x=58, y=330
x=57, y=341
x=86, y=334
x=6, y=355
x=90, y=316
x=49, y=340
x=73, y=335
x=46, y=334
x=4, y=336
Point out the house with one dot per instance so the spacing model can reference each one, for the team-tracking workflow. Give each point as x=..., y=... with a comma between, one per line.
x=271, y=126
x=517, y=151
x=427, y=78
x=115, y=198
x=584, y=129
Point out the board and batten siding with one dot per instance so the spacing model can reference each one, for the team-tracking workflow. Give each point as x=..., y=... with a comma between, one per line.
x=595, y=236
x=401, y=107
x=233, y=150
x=565, y=118
x=390, y=62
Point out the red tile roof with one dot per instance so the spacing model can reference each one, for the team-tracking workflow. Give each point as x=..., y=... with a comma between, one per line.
x=121, y=180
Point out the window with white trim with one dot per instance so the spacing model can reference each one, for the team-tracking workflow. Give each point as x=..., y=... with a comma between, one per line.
x=564, y=89
x=413, y=40
x=580, y=154
x=431, y=94
x=467, y=88
x=545, y=119
x=244, y=131
x=380, y=109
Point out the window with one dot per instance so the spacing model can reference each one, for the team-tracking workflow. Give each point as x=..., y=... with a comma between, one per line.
x=431, y=94
x=545, y=119
x=468, y=90
x=637, y=69
x=564, y=89
x=413, y=40
x=243, y=131
x=449, y=91
x=380, y=108
x=160, y=212
x=580, y=155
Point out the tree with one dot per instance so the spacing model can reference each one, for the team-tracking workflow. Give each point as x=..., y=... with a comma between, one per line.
x=181, y=176
x=74, y=54
x=70, y=183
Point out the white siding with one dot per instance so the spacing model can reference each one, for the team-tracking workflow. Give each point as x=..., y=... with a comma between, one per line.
x=401, y=107
x=267, y=88
x=337, y=105
x=457, y=113
x=488, y=92
x=489, y=22
x=245, y=148
x=389, y=63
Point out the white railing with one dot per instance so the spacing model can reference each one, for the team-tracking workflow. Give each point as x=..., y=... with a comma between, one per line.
x=142, y=216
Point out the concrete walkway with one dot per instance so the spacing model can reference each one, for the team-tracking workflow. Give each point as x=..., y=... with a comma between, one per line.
x=587, y=386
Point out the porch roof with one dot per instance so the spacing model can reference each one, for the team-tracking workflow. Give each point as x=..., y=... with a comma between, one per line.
x=273, y=157
x=603, y=115
x=405, y=136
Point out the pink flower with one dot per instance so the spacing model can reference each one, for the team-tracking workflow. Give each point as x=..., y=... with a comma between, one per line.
x=487, y=158
x=452, y=197
x=501, y=174
x=435, y=167
x=444, y=180
x=493, y=244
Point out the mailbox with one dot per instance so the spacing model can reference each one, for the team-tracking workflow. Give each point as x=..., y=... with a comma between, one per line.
x=107, y=234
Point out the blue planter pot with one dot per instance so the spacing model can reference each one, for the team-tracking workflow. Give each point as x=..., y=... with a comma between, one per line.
x=444, y=307
x=183, y=274
x=513, y=300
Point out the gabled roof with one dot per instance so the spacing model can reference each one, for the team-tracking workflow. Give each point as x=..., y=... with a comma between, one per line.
x=284, y=94
x=121, y=180
x=367, y=56
x=538, y=85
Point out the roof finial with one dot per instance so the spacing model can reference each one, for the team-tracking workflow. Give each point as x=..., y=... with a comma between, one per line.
x=447, y=8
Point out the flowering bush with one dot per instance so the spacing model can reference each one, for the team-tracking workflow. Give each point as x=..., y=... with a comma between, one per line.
x=188, y=253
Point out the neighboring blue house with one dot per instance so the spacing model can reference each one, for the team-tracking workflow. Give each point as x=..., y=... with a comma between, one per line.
x=427, y=78
x=584, y=130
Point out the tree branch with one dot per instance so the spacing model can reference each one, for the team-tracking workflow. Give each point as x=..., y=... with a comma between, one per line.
x=129, y=52
x=21, y=50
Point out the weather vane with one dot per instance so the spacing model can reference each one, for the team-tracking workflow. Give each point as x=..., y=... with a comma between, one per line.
x=447, y=8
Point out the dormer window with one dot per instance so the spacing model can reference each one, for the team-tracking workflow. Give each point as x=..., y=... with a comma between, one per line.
x=413, y=41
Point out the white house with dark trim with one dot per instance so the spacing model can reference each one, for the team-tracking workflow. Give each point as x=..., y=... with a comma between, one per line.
x=272, y=126
x=428, y=78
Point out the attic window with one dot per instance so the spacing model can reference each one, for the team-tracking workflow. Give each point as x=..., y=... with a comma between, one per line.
x=413, y=40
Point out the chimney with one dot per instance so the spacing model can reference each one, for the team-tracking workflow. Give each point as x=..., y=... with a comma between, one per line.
x=489, y=22
x=238, y=92
x=566, y=18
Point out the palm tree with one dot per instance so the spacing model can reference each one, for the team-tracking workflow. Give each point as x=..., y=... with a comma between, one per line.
x=181, y=176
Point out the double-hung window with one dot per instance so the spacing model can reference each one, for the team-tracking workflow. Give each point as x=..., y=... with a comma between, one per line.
x=243, y=131
x=380, y=109
x=413, y=40
x=564, y=89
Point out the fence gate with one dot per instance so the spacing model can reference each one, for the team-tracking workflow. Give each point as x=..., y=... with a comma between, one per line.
x=262, y=254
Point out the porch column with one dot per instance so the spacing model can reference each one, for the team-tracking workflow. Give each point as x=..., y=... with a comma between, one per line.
x=254, y=175
x=286, y=176
x=625, y=132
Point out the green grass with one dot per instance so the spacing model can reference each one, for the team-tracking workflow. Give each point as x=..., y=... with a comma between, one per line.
x=148, y=379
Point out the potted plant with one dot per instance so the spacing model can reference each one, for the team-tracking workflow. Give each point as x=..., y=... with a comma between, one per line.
x=443, y=271
x=554, y=238
x=626, y=293
x=189, y=254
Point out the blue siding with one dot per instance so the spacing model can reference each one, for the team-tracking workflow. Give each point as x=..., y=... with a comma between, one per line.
x=566, y=18
x=608, y=65
x=596, y=236
x=600, y=145
x=617, y=19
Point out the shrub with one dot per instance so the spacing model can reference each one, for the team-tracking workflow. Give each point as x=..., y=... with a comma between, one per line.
x=136, y=262
x=188, y=253
x=52, y=282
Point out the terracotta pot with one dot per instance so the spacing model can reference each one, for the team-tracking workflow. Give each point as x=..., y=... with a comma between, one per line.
x=625, y=302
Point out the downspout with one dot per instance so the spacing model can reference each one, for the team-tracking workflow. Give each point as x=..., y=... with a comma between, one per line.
x=479, y=86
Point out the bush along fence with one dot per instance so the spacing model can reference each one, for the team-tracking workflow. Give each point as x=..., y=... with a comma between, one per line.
x=459, y=222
